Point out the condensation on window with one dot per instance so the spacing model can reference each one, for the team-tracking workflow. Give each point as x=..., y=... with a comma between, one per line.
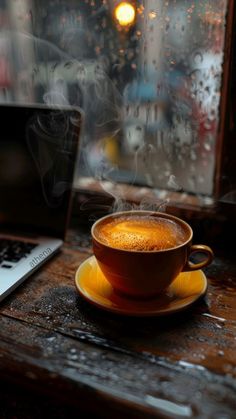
x=146, y=75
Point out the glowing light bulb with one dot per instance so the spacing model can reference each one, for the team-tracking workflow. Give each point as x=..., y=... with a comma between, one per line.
x=125, y=13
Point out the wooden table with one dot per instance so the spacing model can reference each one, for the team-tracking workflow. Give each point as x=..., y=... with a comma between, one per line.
x=62, y=357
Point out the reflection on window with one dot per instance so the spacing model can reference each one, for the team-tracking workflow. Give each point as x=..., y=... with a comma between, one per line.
x=147, y=75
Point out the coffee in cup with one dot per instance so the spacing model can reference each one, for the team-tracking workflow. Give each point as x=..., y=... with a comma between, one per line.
x=140, y=233
x=142, y=252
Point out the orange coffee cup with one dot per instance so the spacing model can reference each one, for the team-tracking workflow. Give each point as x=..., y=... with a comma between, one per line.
x=142, y=252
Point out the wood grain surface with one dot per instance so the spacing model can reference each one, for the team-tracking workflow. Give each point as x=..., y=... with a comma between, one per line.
x=59, y=354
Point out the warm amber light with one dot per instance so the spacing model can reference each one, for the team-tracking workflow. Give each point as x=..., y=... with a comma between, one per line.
x=125, y=13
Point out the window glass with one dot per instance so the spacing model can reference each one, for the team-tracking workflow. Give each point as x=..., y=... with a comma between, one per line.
x=147, y=75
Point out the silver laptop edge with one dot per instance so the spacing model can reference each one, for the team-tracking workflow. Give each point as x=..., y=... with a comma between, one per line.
x=12, y=278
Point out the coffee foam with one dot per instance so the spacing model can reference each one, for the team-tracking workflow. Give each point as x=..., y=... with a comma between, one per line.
x=141, y=233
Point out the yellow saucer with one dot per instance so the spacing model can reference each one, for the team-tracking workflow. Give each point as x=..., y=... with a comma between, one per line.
x=94, y=287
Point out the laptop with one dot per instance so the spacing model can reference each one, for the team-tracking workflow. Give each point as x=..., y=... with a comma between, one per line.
x=38, y=151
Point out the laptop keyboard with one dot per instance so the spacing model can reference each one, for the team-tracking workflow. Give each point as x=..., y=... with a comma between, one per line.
x=12, y=251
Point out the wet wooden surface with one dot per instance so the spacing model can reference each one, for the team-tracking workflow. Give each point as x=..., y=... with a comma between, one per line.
x=61, y=355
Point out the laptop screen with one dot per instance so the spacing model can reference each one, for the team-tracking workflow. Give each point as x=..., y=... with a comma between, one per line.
x=38, y=150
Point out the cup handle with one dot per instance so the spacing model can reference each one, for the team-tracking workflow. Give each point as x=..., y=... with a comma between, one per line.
x=190, y=266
